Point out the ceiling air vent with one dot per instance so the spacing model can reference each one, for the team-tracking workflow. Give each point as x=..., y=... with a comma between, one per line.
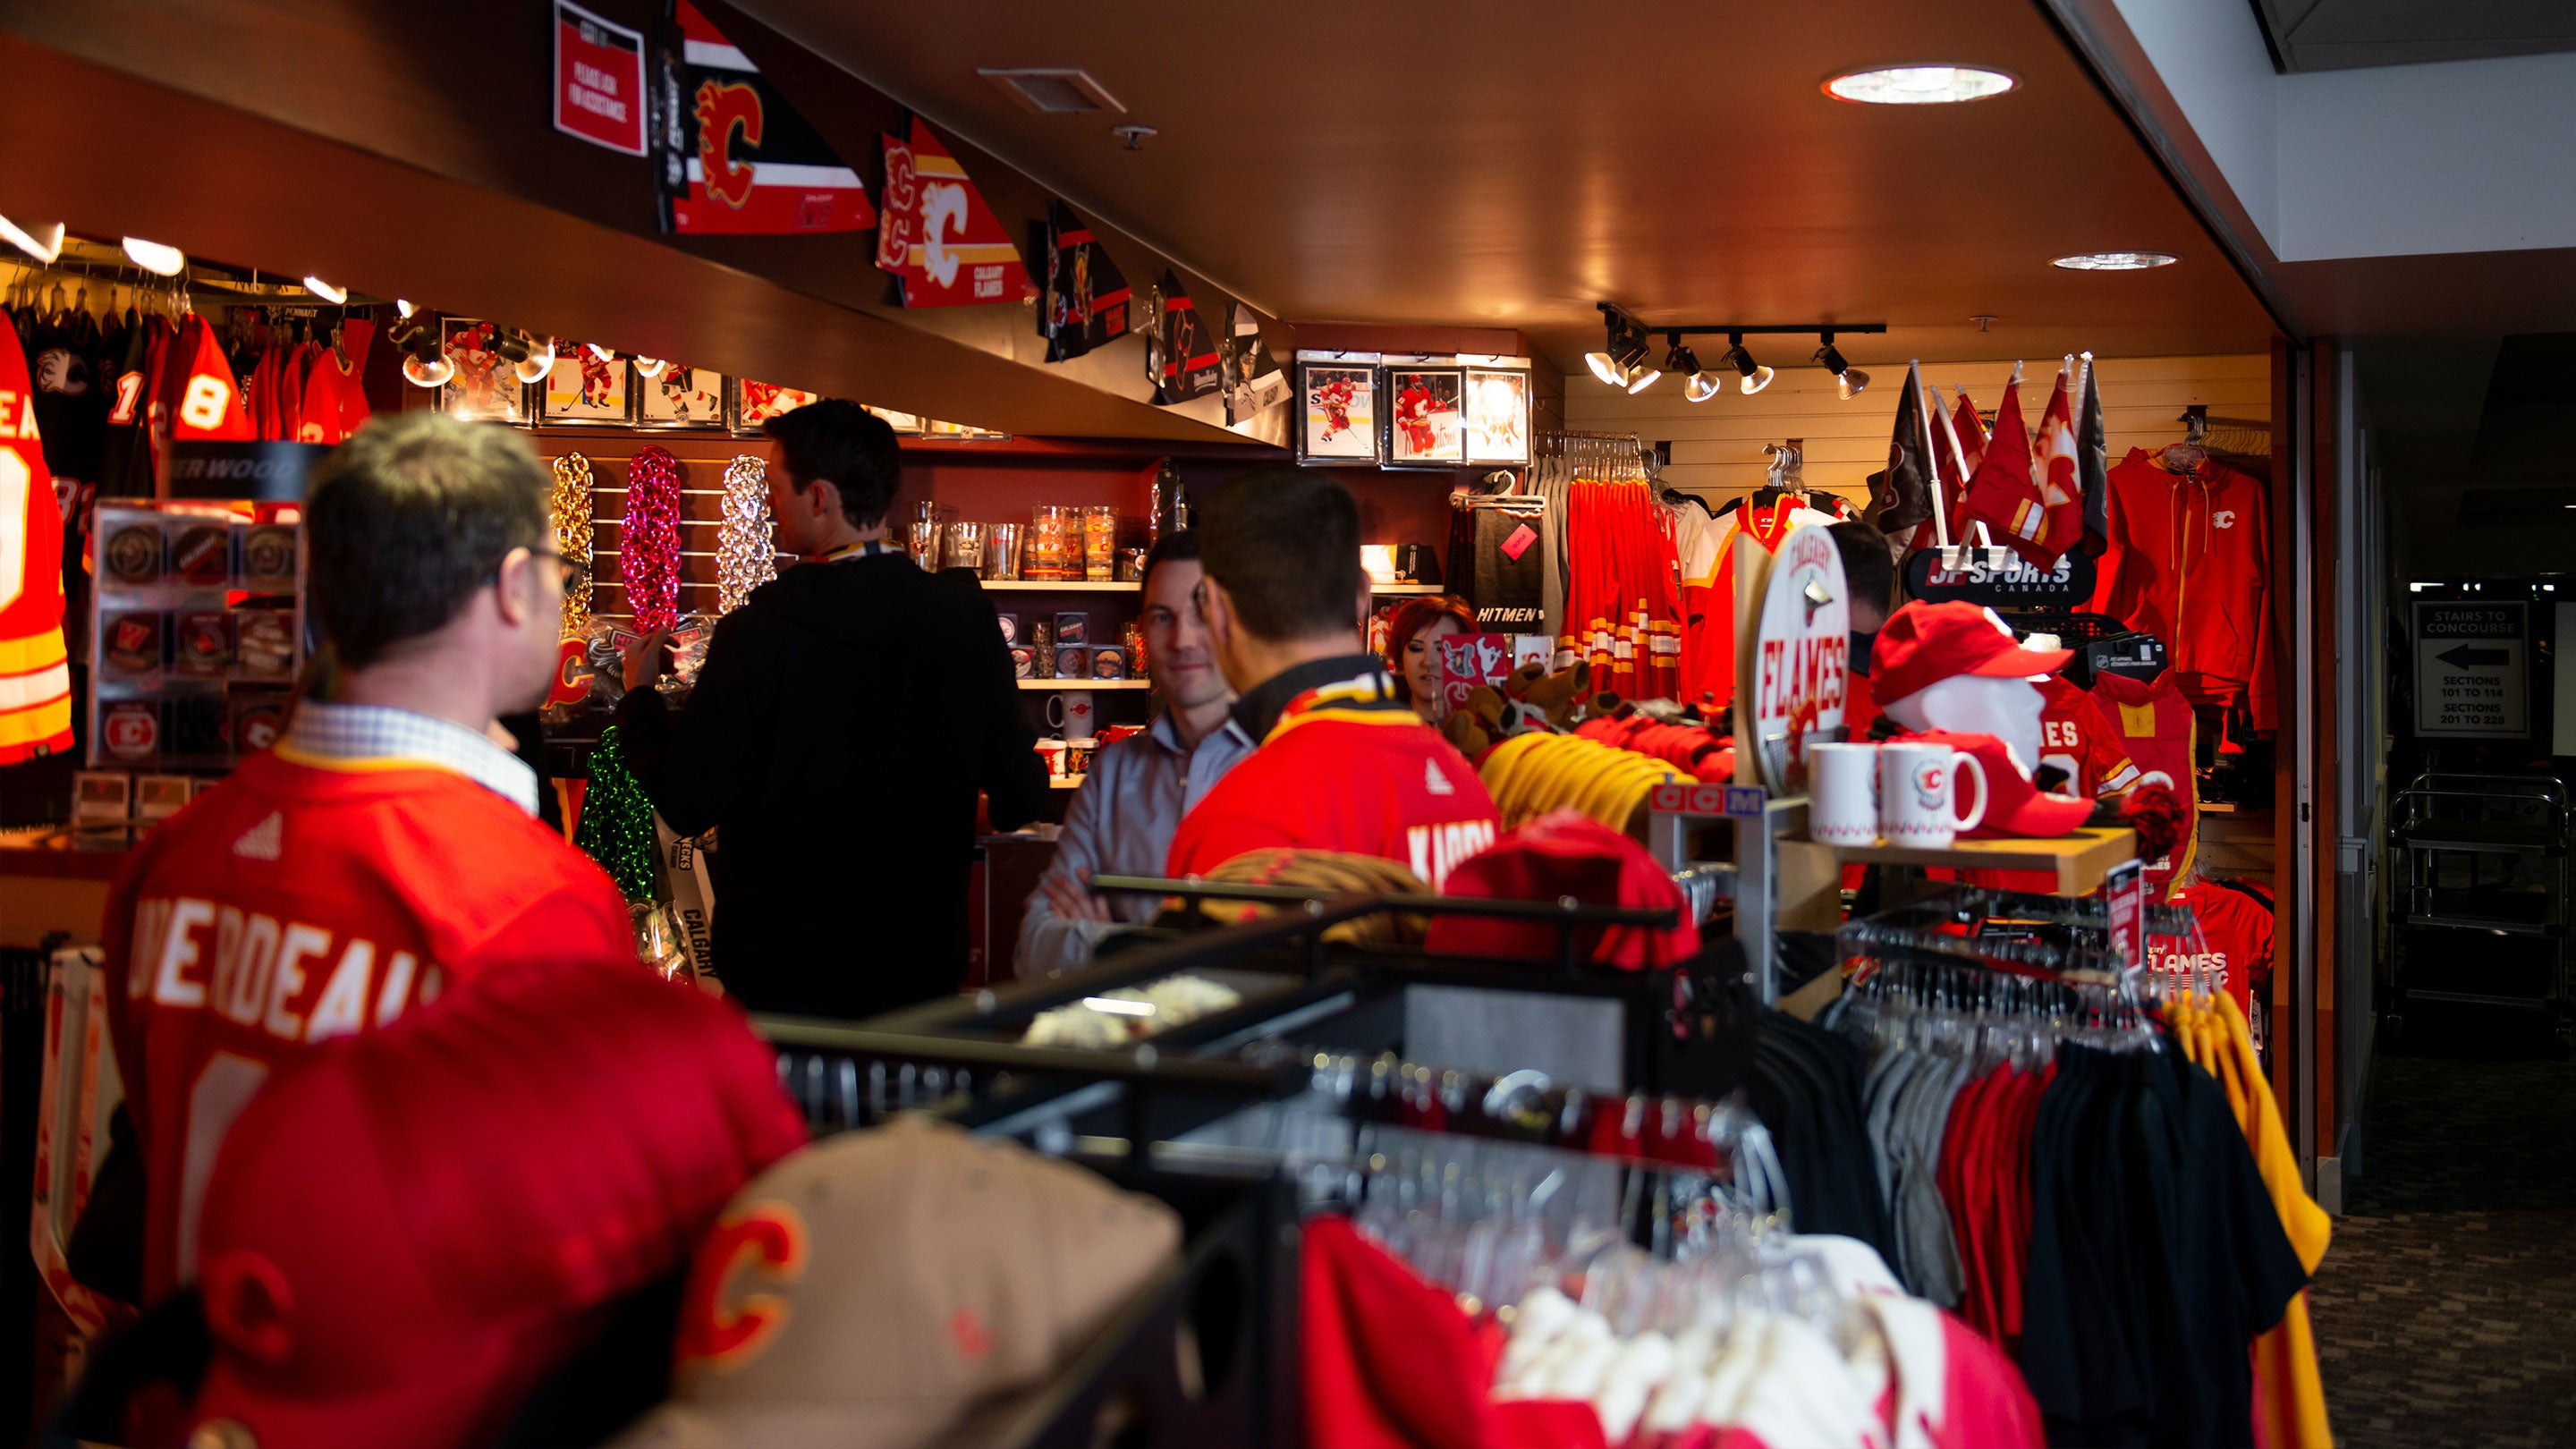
x=1054, y=90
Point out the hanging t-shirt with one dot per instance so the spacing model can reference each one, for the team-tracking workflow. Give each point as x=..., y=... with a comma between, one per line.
x=71, y=404
x=2155, y=727
x=2235, y=942
x=126, y=471
x=1708, y=587
x=1495, y=563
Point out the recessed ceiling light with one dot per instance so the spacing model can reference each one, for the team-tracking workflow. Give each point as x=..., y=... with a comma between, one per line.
x=2115, y=261
x=1919, y=85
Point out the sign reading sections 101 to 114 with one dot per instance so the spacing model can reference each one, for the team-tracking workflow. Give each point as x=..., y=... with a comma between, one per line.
x=2469, y=669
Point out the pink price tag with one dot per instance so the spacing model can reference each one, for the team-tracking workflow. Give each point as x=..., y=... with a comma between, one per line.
x=1519, y=542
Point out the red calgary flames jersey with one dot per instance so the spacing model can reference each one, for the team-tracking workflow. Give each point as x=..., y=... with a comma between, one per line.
x=2234, y=948
x=298, y=902
x=1344, y=769
x=35, y=679
x=2074, y=737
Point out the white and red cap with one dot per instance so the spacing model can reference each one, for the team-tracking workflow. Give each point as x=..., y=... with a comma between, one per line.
x=1923, y=644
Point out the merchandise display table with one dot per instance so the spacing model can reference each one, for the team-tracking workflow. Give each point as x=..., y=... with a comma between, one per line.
x=2080, y=860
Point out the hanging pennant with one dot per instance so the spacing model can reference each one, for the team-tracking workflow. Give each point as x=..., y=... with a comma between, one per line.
x=1086, y=299
x=1183, y=361
x=1253, y=382
x=736, y=157
x=938, y=236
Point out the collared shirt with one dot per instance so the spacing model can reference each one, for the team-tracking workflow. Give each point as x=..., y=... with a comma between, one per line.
x=376, y=737
x=1259, y=710
x=1121, y=823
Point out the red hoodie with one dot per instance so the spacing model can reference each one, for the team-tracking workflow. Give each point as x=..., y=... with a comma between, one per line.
x=2190, y=561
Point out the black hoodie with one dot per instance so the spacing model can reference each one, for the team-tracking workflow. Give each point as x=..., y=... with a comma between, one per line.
x=843, y=723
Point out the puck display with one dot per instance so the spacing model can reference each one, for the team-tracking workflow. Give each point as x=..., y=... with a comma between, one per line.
x=132, y=731
x=134, y=554
x=264, y=642
x=268, y=557
x=203, y=554
x=256, y=725
x=205, y=644
x=134, y=643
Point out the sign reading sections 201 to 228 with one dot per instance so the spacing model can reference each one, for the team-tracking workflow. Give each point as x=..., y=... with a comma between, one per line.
x=2469, y=669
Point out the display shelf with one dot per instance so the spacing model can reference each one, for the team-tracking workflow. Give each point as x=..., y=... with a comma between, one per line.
x=2079, y=860
x=1066, y=782
x=1078, y=683
x=1390, y=590
x=1053, y=586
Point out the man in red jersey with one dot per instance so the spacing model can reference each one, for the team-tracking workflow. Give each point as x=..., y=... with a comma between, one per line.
x=1342, y=762
x=386, y=849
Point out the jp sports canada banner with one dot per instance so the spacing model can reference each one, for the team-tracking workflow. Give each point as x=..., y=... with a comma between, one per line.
x=1086, y=299
x=938, y=237
x=1182, y=361
x=735, y=156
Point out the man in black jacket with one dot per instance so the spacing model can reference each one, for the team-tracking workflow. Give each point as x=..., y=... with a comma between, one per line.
x=838, y=734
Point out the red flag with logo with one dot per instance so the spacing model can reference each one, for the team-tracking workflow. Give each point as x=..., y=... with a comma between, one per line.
x=954, y=252
x=735, y=156
x=2055, y=473
x=2003, y=494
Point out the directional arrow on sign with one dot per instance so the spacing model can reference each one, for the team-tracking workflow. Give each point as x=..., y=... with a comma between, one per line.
x=2468, y=657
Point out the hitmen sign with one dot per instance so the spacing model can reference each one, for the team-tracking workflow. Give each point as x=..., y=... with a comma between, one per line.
x=2469, y=669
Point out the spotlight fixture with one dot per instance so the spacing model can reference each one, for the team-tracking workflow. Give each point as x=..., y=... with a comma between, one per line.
x=1848, y=380
x=539, y=362
x=650, y=367
x=1920, y=85
x=1755, y=376
x=403, y=309
x=324, y=290
x=44, y=244
x=153, y=257
x=1698, y=384
x=1623, y=361
x=425, y=360
x=2115, y=261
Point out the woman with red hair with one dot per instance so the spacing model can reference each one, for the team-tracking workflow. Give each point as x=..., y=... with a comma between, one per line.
x=1410, y=656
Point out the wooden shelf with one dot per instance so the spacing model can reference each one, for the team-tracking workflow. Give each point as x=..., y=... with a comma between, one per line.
x=2080, y=860
x=1390, y=590
x=1066, y=782
x=1086, y=684
x=1102, y=450
x=1054, y=586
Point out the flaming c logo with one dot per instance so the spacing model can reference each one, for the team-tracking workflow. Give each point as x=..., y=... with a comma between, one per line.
x=721, y=110
x=768, y=1239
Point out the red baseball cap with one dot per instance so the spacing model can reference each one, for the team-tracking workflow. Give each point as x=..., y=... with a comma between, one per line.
x=2014, y=806
x=407, y=1231
x=1566, y=853
x=1923, y=644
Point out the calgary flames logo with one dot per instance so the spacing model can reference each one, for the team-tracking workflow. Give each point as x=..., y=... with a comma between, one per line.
x=721, y=110
x=768, y=1240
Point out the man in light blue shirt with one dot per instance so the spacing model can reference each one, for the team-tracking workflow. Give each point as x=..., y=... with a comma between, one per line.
x=1122, y=818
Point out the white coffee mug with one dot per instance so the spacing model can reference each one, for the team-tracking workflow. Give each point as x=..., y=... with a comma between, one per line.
x=1071, y=712
x=1842, y=793
x=1918, y=793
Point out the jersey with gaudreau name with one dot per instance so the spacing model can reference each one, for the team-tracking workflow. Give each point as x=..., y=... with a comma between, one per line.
x=294, y=903
x=1344, y=776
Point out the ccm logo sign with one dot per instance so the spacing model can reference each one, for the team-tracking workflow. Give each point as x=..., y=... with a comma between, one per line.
x=1744, y=801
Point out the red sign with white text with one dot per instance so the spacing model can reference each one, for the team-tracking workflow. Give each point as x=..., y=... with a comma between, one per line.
x=599, y=80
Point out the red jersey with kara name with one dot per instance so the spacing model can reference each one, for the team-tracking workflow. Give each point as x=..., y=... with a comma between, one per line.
x=1350, y=768
x=297, y=902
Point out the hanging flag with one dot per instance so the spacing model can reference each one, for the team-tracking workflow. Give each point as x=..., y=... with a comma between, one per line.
x=1086, y=299
x=2002, y=495
x=1971, y=430
x=939, y=237
x=736, y=157
x=1182, y=362
x=2056, y=471
x=1959, y=440
x=1901, y=497
x=1253, y=382
x=2093, y=466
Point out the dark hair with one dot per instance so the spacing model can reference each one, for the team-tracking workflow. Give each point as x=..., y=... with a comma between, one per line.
x=844, y=444
x=1867, y=570
x=408, y=518
x=1416, y=615
x=1285, y=543
x=1181, y=547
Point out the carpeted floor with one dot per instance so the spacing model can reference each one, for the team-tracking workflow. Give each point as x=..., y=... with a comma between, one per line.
x=2446, y=1308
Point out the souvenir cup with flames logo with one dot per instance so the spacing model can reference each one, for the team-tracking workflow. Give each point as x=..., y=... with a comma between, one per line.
x=1918, y=793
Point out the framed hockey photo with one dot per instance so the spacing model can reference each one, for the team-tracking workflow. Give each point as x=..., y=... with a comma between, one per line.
x=1338, y=403
x=679, y=397
x=904, y=424
x=748, y=404
x=1426, y=422
x=586, y=390
x=483, y=389
x=1498, y=416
